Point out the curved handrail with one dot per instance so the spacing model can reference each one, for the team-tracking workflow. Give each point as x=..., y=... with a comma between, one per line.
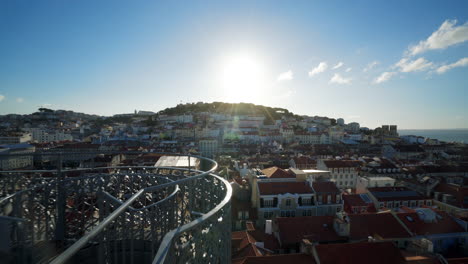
x=75, y=247
x=166, y=242
x=115, y=200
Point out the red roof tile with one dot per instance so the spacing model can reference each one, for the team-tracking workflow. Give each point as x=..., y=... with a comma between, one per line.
x=325, y=187
x=275, y=172
x=273, y=188
x=243, y=245
x=443, y=224
x=277, y=259
x=315, y=228
x=458, y=192
x=384, y=225
x=354, y=200
x=362, y=253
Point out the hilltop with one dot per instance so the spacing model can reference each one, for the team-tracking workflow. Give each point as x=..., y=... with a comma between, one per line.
x=270, y=113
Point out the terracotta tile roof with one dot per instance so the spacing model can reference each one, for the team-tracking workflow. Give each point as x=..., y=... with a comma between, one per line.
x=354, y=200
x=248, y=250
x=275, y=172
x=457, y=260
x=277, y=259
x=273, y=188
x=395, y=194
x=458, y=192
x=315, y=228
x=384, y=225
x=362, y=253
x=414, y=258
x=243, y=245
x=342, y=163
x=325, y=187
x=443, y=224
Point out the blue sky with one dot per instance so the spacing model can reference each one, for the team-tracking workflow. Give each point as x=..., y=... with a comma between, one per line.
x=372, y=62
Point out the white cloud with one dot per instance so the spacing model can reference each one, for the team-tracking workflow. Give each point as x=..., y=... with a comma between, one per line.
x=286, y=76
x=354, y=116
x=2, y=97
x=348, y=69
x=460, y=63
x=339, y=79
x=370, y=66
x=407, y=65
x=447, y=35
x=385, y=76
x=320, y=68
x=19, y=100
x=338, y=65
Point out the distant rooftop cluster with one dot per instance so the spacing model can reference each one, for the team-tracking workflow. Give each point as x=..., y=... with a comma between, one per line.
x=303, y=186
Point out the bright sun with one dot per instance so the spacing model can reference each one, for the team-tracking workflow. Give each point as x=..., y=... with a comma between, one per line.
x=243, y=79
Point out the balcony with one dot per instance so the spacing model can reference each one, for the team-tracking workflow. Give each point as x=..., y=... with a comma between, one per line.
x=115, y=214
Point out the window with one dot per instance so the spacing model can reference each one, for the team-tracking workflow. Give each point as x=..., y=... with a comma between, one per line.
x=329, y=199
x=268, y=203
x=338, y=198
x=338, y=209
x=282, y=214
x=306, y=201
x=429, y=203
x=288, y=202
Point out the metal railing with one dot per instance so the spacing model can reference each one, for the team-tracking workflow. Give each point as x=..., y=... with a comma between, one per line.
x=126, y=215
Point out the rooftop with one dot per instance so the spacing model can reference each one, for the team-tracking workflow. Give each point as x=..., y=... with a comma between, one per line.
x=325, y=187
x=315, y=228
x=384, y=225
x=363, y=253
x=275, y=172
x=342, y=163
x=273, y=188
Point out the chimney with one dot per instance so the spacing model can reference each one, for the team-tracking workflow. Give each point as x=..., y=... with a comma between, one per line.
x=306, y=247
x=268, y=227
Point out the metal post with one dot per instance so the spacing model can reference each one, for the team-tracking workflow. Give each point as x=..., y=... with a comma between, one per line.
x=60, y=206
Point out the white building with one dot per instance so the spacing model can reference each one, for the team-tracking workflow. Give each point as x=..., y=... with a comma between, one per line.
x=340, y=121
x=208, y=147
x=343, y=172
x=15, y=138
x=369, y=182
x=12, y=162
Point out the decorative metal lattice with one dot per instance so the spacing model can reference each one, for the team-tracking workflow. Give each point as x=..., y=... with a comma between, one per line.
x=125, y=215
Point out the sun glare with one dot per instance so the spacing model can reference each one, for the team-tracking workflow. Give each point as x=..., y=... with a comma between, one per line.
x=242, y=79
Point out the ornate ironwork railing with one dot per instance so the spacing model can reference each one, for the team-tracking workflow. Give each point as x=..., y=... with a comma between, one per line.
x=115, y=215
